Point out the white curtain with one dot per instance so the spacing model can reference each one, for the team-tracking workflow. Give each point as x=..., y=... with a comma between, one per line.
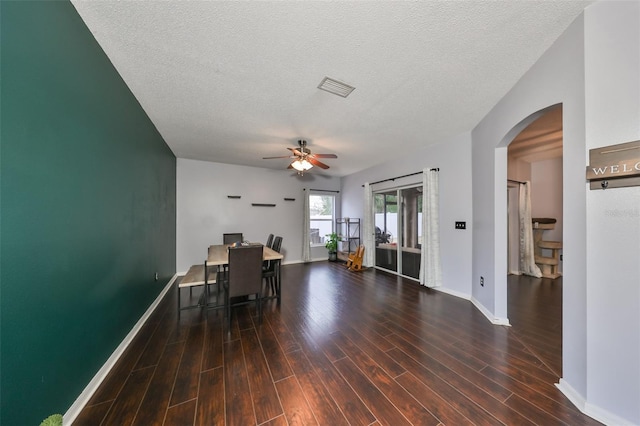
x=306, y=228
x=430, y=265
x=527, y=256
x=368, y=228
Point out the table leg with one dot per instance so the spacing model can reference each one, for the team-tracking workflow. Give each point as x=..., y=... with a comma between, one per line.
x=278, y=279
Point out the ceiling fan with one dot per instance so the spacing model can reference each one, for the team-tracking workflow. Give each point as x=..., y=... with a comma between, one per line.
x=303, y=159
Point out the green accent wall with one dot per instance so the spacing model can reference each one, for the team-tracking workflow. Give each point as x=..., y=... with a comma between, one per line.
x=88, y=209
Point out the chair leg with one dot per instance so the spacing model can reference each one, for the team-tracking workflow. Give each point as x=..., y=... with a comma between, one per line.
x=227, y=309
x=178, y=289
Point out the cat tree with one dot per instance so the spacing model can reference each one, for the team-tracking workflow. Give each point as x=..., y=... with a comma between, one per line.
x=548, y=264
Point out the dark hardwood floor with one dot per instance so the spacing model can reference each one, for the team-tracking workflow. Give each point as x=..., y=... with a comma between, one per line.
x=360, y=348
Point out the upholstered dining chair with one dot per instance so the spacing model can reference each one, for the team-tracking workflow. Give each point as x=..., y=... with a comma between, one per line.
x=269, y=241
x=269, y=270
x=232, y=238
x=244, y=277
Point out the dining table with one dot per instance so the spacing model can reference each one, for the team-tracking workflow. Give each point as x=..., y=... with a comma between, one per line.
x=218, y=255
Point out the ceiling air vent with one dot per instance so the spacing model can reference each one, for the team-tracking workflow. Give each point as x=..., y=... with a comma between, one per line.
x=336, y=87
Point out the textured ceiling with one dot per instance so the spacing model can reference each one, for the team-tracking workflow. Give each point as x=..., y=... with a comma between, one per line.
x=233, y=82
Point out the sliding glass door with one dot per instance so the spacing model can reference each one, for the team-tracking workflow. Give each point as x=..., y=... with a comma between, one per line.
x=398, y=226
x=386, y=226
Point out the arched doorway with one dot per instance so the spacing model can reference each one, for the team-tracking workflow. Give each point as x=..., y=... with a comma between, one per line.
x=534, y=305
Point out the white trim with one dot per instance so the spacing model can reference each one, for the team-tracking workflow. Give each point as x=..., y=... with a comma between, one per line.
x=82, y=400
x=450, y=292
x=296, y=262
x=593, y=411
x=489, y=315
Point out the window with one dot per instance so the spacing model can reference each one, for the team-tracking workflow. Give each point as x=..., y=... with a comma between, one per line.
x=322, y=215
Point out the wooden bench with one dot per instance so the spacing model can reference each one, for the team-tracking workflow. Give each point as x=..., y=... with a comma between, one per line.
x=193, y=278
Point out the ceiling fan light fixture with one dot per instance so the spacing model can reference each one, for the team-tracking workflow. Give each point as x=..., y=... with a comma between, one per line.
x=336, y=87
x=301, y=165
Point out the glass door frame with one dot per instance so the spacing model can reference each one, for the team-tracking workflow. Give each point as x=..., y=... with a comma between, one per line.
x=399, y=231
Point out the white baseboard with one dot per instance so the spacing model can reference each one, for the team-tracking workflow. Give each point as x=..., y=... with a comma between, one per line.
x=93, y=385
x=593, y=411
x=494, y=320
x=477, y=304
x=459, y=294
x=298, y=261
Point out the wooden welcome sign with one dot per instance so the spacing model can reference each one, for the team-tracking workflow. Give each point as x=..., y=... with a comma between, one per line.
x=614, y=166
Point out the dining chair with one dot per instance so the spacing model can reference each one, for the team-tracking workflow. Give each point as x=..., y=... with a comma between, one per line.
x=269, y=241
x=232, y=238
x=244, y=277
x=269, y=269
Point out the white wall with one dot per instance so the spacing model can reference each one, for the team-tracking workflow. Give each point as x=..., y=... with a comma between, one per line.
x=593, y=70
x=453, y=157
x=546, y=194
x=204, y=212
x=612, y=37
x=555, y=78
x=518, y=169
x=546, y=198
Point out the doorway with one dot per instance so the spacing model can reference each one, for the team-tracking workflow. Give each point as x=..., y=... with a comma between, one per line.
x=535, y=156
x=398, y=230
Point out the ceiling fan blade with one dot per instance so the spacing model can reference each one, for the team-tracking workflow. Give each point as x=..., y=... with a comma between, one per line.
x=325, y=155
x=283, y=156
x=317, y=163
x=296, y=152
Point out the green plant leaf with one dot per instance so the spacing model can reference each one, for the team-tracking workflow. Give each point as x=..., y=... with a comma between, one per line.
x=52, y=420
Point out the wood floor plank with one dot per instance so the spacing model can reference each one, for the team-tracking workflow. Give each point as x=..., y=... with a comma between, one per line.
x=156, y=400
x=280, y=331
x=387, y=363
x=125, y=407
x=210, y=408
x=376, y=401
x=296, y=407
x=432, y=401
x=278, y=421
x=553, y=402
x=456, y=398
x=242, y=314
x=157, y=343
x=441, y=348
x=366, y=348
x=92, y=415
x=181, y=414
x=350, y=404
x=273, y=350
x=396, y=394
x=263, y=391
x=238, y=404
x=213, y=340
x=113, y=383
x=324, y=408
x=451, y=370
x=186, y=385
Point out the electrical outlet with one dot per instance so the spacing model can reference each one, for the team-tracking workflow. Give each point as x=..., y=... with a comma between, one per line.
x=481, y=281
x=461, y=225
